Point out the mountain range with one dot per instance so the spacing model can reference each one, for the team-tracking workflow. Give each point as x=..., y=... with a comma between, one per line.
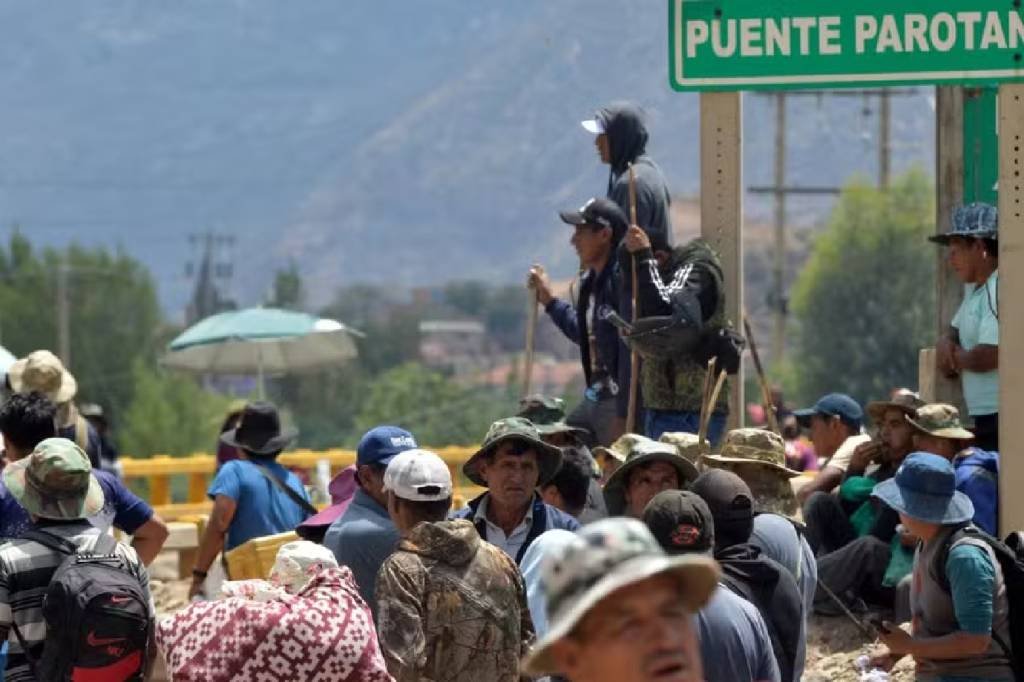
x=407, y=143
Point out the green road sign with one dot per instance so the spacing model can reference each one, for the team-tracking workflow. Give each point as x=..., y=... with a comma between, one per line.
x=773, y=44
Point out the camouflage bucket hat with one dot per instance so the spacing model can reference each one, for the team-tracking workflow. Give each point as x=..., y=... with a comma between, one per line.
x=619, y=450
x=644, y=452
x=940, y=420
x=905, y=401
x=549, y=458
x=548, y=415
x=604, y=557
x=753, y=446
x=55, y=481
x=688, y=444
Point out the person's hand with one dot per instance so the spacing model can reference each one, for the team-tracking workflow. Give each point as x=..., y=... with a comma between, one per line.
x=945, y=351
x=636, y=239
x=196, y=588
x=896, y=638
x=539, y=282
x=883, y=659
x=863, y=455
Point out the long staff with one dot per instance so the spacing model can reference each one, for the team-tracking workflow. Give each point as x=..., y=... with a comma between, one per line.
x=766, y=394
x=634, y=358
x=531, y=332
x=705, y=408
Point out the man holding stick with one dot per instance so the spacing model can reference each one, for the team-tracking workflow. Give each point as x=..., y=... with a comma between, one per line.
x=598, y=227
x=681, y=306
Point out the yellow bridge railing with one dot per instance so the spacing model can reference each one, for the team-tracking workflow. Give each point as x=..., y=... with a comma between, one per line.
x=159, y=470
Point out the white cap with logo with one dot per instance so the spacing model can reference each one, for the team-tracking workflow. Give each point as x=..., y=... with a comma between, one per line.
x=594, y=126
x=418, y=476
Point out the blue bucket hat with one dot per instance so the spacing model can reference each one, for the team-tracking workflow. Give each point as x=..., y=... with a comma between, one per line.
x=973, y=221
x=924, y=488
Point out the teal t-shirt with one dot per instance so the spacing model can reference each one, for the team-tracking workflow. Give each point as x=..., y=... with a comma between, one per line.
x=977, y=322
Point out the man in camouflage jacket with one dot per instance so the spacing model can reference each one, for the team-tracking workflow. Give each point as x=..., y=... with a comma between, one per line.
x=452, y=608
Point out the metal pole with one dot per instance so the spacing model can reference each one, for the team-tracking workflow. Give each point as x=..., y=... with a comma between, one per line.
x=779, y=269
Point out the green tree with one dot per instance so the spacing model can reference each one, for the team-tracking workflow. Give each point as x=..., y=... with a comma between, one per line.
x=170, y=415
x=435, y=409
x=865, y=301
x=288, y=291
x=114, y=317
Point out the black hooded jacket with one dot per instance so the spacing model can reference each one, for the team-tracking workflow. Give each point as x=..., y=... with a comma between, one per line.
x=772, y=589
x=627, y=140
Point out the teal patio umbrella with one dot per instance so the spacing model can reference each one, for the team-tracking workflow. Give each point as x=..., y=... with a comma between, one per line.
x=261, y=341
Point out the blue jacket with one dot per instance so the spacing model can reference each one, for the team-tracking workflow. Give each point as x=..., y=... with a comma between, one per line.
x=977, y=476
x=362, y=539
x=606, y=289
x=545, y=517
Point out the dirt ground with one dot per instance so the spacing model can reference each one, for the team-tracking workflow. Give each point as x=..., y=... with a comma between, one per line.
x=833, y=644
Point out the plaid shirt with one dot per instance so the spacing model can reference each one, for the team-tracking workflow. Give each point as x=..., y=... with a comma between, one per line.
x=26, y=568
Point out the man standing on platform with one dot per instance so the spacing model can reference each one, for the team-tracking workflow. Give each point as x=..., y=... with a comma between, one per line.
x=598, y=228
x=970, y=349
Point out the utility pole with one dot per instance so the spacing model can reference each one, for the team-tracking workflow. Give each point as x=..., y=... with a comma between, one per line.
x=884, y=139
x=63, y=312
x=779, y=269
x=212, y=272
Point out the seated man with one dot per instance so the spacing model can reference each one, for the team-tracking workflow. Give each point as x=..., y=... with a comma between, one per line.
x=759, y=458
x=734, y=640
x=613, y=583
x=512, y=462
x=834, y=521
x=567, y=490
x=959, y=602
x=835, y=426
x=451, y=607
x=650, y=468
x=937, y=430
x=750, y=574
x=548, y=415
x=27, y=419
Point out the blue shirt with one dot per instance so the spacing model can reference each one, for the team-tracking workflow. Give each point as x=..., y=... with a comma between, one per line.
x=734, y=640
x=122, y=509
x=977, y=476
x=977, y=324
x=362, y=539
x=261, y=509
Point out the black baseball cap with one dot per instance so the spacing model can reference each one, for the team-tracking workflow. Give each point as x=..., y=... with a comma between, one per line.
x=599, y=212
x=833, y=405
x=681, y=522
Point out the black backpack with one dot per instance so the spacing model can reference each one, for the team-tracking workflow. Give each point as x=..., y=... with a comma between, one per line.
x=1010, y=555
x=98, y=625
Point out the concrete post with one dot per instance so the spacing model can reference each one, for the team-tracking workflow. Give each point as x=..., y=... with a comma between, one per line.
x=949, y=193
x=1011, y=312
x=721, y=206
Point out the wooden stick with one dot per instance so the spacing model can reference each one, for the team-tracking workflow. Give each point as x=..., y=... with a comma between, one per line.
x=705, y=410
x=531, y=331
x=712, y=399
x=634, y=358
x=766, y=394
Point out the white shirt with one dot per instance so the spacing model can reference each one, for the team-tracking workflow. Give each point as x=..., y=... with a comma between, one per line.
x=511, y=543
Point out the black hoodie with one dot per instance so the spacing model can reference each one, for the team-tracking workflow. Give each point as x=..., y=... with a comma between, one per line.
x=774, y=592
x=623, y=123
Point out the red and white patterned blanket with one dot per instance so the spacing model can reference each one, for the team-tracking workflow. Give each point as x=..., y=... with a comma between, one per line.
x=323, y=633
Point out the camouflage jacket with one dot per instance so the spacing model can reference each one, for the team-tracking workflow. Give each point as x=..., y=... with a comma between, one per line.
x=675, y=383
x=451, y=607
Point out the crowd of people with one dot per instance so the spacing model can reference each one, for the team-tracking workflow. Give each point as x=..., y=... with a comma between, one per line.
x=596, y=552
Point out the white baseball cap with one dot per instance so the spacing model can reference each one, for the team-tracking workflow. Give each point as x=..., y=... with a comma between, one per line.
x=418, y=476
x=593, y=125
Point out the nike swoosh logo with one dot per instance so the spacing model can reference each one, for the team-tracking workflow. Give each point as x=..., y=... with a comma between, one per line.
x=92, y=640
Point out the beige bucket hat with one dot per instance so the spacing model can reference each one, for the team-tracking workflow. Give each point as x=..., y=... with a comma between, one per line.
x=43, y=372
